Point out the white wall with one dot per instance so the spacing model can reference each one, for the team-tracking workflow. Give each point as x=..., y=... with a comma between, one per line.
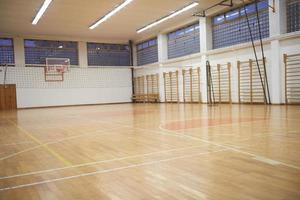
x=274, y=47
x=287, y=43
x=80, y=86
x=85, y=85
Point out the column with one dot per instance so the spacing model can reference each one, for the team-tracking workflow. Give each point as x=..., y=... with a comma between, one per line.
x=82, y=54
x=277, y=19
x=275, y=71
x=134, y=54
x=205, y=45
x=162, y=45
x=19, y=52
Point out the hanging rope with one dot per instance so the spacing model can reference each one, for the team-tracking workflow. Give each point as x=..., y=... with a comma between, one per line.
x=5, y=74
x=262, y=51
x=267, y=98
x=210, y=85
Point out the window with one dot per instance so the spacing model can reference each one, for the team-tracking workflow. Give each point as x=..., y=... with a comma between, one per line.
x=100, y=54
x=184, y=41
x=147, y=52
x=231, y=27
x=293, y=16
x=6, y=51
x=232, y=15
x=36, y=51
x=218, y=19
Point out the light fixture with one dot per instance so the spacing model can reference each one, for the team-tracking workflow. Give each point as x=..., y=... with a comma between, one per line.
x=168, y=17
x=41, y=11
x=110, y=14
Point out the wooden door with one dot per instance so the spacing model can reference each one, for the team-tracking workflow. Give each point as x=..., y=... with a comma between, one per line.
x=8, y=98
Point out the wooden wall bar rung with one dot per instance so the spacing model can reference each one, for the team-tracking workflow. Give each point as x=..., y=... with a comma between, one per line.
x=221, y=78
x=292, y=78
x=249, y=82
x=139, y=89
x=191, y=85
x=152, y=88
x=171, y=87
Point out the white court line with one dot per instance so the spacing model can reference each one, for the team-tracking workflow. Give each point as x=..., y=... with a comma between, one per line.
x=17, y=143
x=193, y=192
x=233, y=148
x=98, y=162
x=221, y=125
x=158, y=176
x=176, y=134
x=107, y=170
x=20, y=152
x=266, y=160
x=53, y=142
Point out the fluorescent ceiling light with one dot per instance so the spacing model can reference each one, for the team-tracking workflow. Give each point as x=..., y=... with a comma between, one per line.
x=110, y=14
x=178, y=12
x=41, y=11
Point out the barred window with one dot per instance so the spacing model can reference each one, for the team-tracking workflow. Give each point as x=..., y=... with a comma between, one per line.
x=293, y=16
x=231, y=28
x=184, y=41
x=36, y=51
x=147, y=52
x=108, y=54
x=7, y=51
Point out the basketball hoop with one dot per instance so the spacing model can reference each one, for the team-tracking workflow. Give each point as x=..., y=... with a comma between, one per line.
x=55, y=69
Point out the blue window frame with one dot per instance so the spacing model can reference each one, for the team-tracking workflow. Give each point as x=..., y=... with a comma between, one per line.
x=189, y=29
x=7, y=51
x=231, y=27
x=36, y=51
x=232, y=14
x=219, y=19
x=100, y=54
x=152, y=42
x=184, y=41
x=293, y=15
x=147, y=52
x=145, y=45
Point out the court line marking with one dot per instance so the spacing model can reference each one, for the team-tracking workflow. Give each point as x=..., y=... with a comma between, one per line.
x=243, y=124
x=237, y=149
x=108, y=170
x=99, y=162
x=65, y=129
x=174, y=133
x=220, y=125
x=193, y=192
x=158, y=176
x=266, y=160
x=16, y=143
x=53, y=142
x=36, y=140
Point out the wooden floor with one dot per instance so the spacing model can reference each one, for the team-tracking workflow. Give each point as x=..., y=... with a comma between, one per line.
x=151, y=151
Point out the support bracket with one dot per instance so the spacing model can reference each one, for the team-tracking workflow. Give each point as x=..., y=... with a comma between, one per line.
x=229, y=4
x=222, y=3
x=272, y=6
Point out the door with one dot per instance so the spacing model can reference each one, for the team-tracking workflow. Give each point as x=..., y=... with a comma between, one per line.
x=8, y=97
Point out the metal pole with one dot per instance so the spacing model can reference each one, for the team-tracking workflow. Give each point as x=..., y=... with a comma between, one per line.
x=262, y=52
x=254, y=50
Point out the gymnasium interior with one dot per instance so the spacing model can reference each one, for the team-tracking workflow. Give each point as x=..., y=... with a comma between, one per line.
x=149, y=99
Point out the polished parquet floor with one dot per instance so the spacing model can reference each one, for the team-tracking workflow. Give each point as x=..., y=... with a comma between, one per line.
x=151, y=151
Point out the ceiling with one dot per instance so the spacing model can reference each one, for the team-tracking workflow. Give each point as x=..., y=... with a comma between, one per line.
x=71, y=18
